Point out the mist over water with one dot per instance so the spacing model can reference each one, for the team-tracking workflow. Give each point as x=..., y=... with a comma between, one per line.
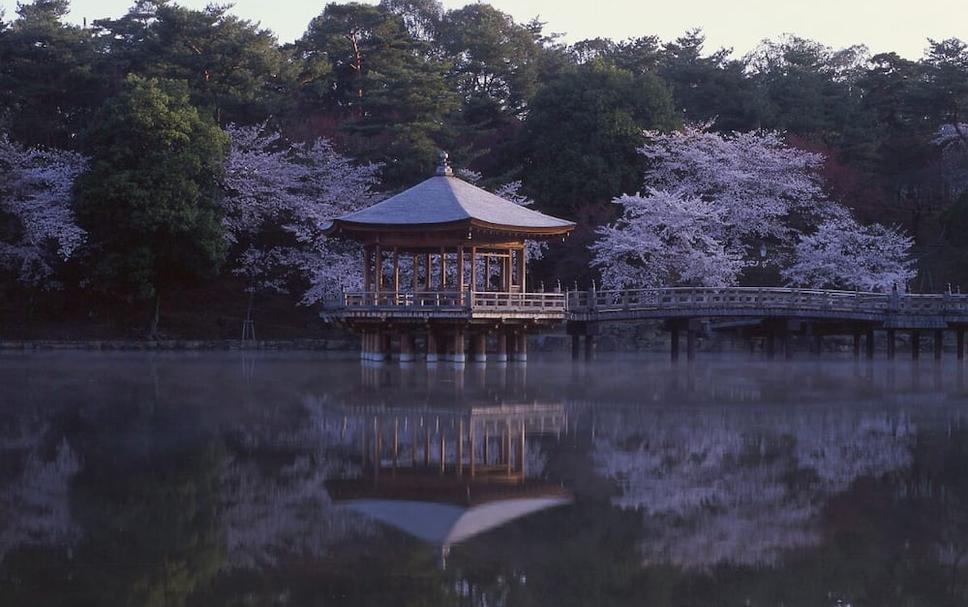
x=292, y=479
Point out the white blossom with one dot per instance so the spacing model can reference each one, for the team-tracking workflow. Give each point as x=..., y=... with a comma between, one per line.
x=36, y=192
x=665, y=238
x=844, y=254
x=715, y=201
x=275, y=189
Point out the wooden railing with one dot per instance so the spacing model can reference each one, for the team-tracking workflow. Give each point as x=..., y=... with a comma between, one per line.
x=717, y=301
x=452, y=300
x=763, y=298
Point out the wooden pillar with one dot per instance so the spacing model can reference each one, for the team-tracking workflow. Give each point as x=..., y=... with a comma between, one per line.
x=429, y=278
x=378, y=270
x=521, y=347
x=502, y=347
x=427, y=445
x=407, y=349
x=506, y=271
x=690, y=345
x=891, y=344
x=506, y=444
x=960, y=342
x=674, y=339
x=473, y=269
x=458, y=338
x=485, y=439
x=487, y=272
x=522, y=268
x=522, y=451
x=413, y=444
x=471, y=446
x=396, y=270
x=396, y=442
x=915, y=344
x=938, y=343
x=443, y=269
x=460, y=448
x=460, y=272
x=443, y=451
x=856, y=343
x=512, y=345
x=432, y=346
x=869, y=342
x=479, y=346
x=414, y=268
x=366, y=268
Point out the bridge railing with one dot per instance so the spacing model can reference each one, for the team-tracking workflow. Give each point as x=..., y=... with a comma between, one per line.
x=765, y=297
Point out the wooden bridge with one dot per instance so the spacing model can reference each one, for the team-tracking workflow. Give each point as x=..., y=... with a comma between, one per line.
x=771, y=314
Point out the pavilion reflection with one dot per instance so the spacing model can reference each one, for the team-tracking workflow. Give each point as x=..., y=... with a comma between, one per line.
x=445, y=474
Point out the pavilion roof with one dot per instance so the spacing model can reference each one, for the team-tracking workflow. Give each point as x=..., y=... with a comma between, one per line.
x=445, y=201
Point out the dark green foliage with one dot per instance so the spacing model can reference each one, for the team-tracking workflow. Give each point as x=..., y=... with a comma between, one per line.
x=150, y=202
x=50, y=80
x=234, y=69
x=375, y=78
x=580, y=139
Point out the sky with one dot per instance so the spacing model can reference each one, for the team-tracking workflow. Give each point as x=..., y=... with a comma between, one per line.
x=902, y=26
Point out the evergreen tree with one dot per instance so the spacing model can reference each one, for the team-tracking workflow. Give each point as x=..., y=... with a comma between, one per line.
x=150, y=202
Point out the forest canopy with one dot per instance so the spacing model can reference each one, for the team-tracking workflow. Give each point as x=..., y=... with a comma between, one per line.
x=386, y=86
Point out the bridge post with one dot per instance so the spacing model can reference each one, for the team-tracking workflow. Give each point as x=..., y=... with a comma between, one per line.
x=938, y=343
x=870, y=344
x=521, y=347
x=406, y=347
x=459, y=357
x=674, y=340
x=479, y=346
x=891, y=344
x=915, y=344
x=502, y=347
x=960, y=342
x=433, y=349
x=771, y=345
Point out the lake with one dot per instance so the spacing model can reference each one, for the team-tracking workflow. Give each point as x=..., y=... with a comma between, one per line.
x=294, y=479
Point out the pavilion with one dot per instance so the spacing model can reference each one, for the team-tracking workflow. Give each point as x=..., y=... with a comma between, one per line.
x=445, y=260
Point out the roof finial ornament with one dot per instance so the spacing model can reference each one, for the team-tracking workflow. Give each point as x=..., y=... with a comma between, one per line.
x=444, y=169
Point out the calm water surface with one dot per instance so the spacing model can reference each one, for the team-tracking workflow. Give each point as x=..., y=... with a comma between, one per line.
x=231, y=479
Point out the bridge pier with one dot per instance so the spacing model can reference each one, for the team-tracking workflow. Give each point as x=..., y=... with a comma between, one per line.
x=891, y=344
x=458, y=355
x=520, y=347
x=501, y=355
x=589, y=347
x=407, y=347
x=433, y=347
x=674, y=341
x=479, y=346
x=915, y=344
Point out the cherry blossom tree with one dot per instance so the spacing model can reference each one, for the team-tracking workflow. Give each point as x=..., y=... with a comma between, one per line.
x=715, y=201
x=665, y=238
x=844, y=254
x=280, y=197
x=35, y=195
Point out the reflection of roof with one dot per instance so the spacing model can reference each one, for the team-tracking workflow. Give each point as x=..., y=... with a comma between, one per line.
x=447, y=201
x=447, y=524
